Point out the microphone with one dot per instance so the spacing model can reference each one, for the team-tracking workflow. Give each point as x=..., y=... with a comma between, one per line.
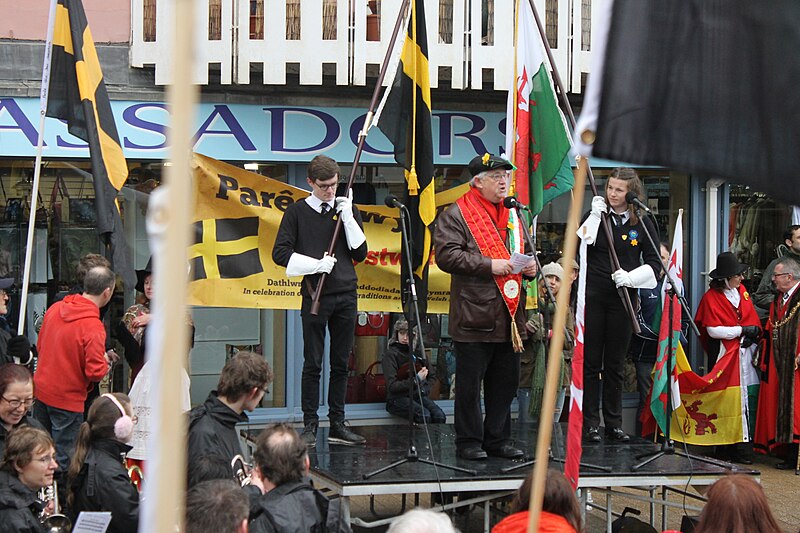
x=510, y=202
x=632, y=198
x=392, y=201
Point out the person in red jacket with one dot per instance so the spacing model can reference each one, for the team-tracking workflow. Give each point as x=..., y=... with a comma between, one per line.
x=561, y=512
x=72, y=358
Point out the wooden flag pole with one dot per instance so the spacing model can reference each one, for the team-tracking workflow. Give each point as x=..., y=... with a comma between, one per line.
x=362, y=136
x=562, y=95
x=554, y=356
x=170, y=211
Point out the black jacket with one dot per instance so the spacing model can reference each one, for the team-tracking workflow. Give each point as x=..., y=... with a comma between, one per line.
x=395, y=356
x=19, y=507
x=298, y=508
x=212, y=430
x=103, y=485
x=27, y=420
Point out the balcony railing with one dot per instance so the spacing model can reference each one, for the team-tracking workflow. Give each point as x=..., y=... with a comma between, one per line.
x=470, y=42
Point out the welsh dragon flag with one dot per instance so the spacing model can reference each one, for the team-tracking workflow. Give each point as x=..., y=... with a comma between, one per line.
x=572, y=463
x=669, y=329
x=537, y=138
x=706, y=410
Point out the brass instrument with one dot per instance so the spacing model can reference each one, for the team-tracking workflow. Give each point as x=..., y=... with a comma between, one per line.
x=137, y=476
x=56, y=522
x=241, y=470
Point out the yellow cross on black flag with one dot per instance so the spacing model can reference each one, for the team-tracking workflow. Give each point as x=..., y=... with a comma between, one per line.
x=225, y=248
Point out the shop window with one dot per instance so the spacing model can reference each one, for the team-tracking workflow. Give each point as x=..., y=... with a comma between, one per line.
x=257, y=19
x=446, y=21
x=214, y=20
x=551, y=22
x=586, y=25
x=755, y=231
x=292, y=20
x=149, y=16
x=329, y=20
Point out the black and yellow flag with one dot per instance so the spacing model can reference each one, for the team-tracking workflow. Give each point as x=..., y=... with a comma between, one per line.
x=406, y=122
x=77, y=94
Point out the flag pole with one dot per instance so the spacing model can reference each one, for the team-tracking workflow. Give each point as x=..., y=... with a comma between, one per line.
x=362, y=136
x=545, y=432
x=562, y=95
x=168, y=226
x=37, y=168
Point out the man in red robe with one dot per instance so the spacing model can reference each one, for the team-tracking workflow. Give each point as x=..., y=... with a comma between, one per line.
x=778, y=422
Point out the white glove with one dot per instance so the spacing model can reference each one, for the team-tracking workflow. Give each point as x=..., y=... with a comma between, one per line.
x=344, y=206
x=599, y=206
x=639, y=278
x=352, y=231
x=590, y=227
x=303, y=265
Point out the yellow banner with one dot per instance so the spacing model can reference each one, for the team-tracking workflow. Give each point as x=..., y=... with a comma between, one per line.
x=236, y=218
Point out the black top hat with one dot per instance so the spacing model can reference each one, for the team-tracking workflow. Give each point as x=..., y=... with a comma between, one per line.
x=727, y=266
x=487, y=161
x=142, y=274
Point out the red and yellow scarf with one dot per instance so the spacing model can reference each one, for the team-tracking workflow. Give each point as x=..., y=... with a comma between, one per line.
x=489, y=223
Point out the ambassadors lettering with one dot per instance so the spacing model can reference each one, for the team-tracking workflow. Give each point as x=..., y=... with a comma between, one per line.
x=249, y=132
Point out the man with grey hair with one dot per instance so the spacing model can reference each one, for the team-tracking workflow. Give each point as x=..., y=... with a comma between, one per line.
x=778, y=402
x=422, y=521
x=289, y=504
x=72, y=359
x=475, y=239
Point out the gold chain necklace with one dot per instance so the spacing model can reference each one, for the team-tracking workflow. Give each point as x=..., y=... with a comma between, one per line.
x=780, y=323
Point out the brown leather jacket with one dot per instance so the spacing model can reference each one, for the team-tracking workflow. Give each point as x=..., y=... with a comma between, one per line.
x=477, y=310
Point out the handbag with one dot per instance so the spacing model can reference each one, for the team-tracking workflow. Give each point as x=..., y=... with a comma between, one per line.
x=372, y=324
x=374, y=385
x=355, y=382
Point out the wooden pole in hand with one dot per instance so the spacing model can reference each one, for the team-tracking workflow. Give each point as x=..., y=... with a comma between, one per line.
x=554, y=356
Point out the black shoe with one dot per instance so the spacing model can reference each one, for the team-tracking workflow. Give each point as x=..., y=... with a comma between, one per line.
x=616, y=434
x=785, y=465
x=472, y=454
x=339, y=434
x=593, y=434
x=741, y=459
x=506, y=451
x=309, y=434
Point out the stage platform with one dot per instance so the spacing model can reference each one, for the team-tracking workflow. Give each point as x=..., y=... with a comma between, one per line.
x=344, y=470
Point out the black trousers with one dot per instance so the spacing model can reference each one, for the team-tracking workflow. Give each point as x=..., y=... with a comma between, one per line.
x=606, y=338
x=337, y=312
x=496, y=365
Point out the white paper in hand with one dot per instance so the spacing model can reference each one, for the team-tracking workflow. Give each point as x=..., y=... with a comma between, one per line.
x=92, y=522
x=520, y=261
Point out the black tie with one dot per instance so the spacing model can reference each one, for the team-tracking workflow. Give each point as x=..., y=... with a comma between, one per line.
x=617, y=219
x=324, y=208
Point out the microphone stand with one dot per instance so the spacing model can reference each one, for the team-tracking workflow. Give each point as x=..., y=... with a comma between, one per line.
x=667, y=446
x=411, y=453
x=529, y=243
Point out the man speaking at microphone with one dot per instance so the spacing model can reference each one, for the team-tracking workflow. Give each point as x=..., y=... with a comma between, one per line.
x=474, y=240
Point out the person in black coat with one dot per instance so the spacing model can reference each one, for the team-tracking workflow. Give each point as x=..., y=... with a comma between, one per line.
x=608, y=329
x=16, y=399
x=28, y=466
x=290, y=504
x=399, y=380
x=97, y=478
x=13, y=348
x=212, y=426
